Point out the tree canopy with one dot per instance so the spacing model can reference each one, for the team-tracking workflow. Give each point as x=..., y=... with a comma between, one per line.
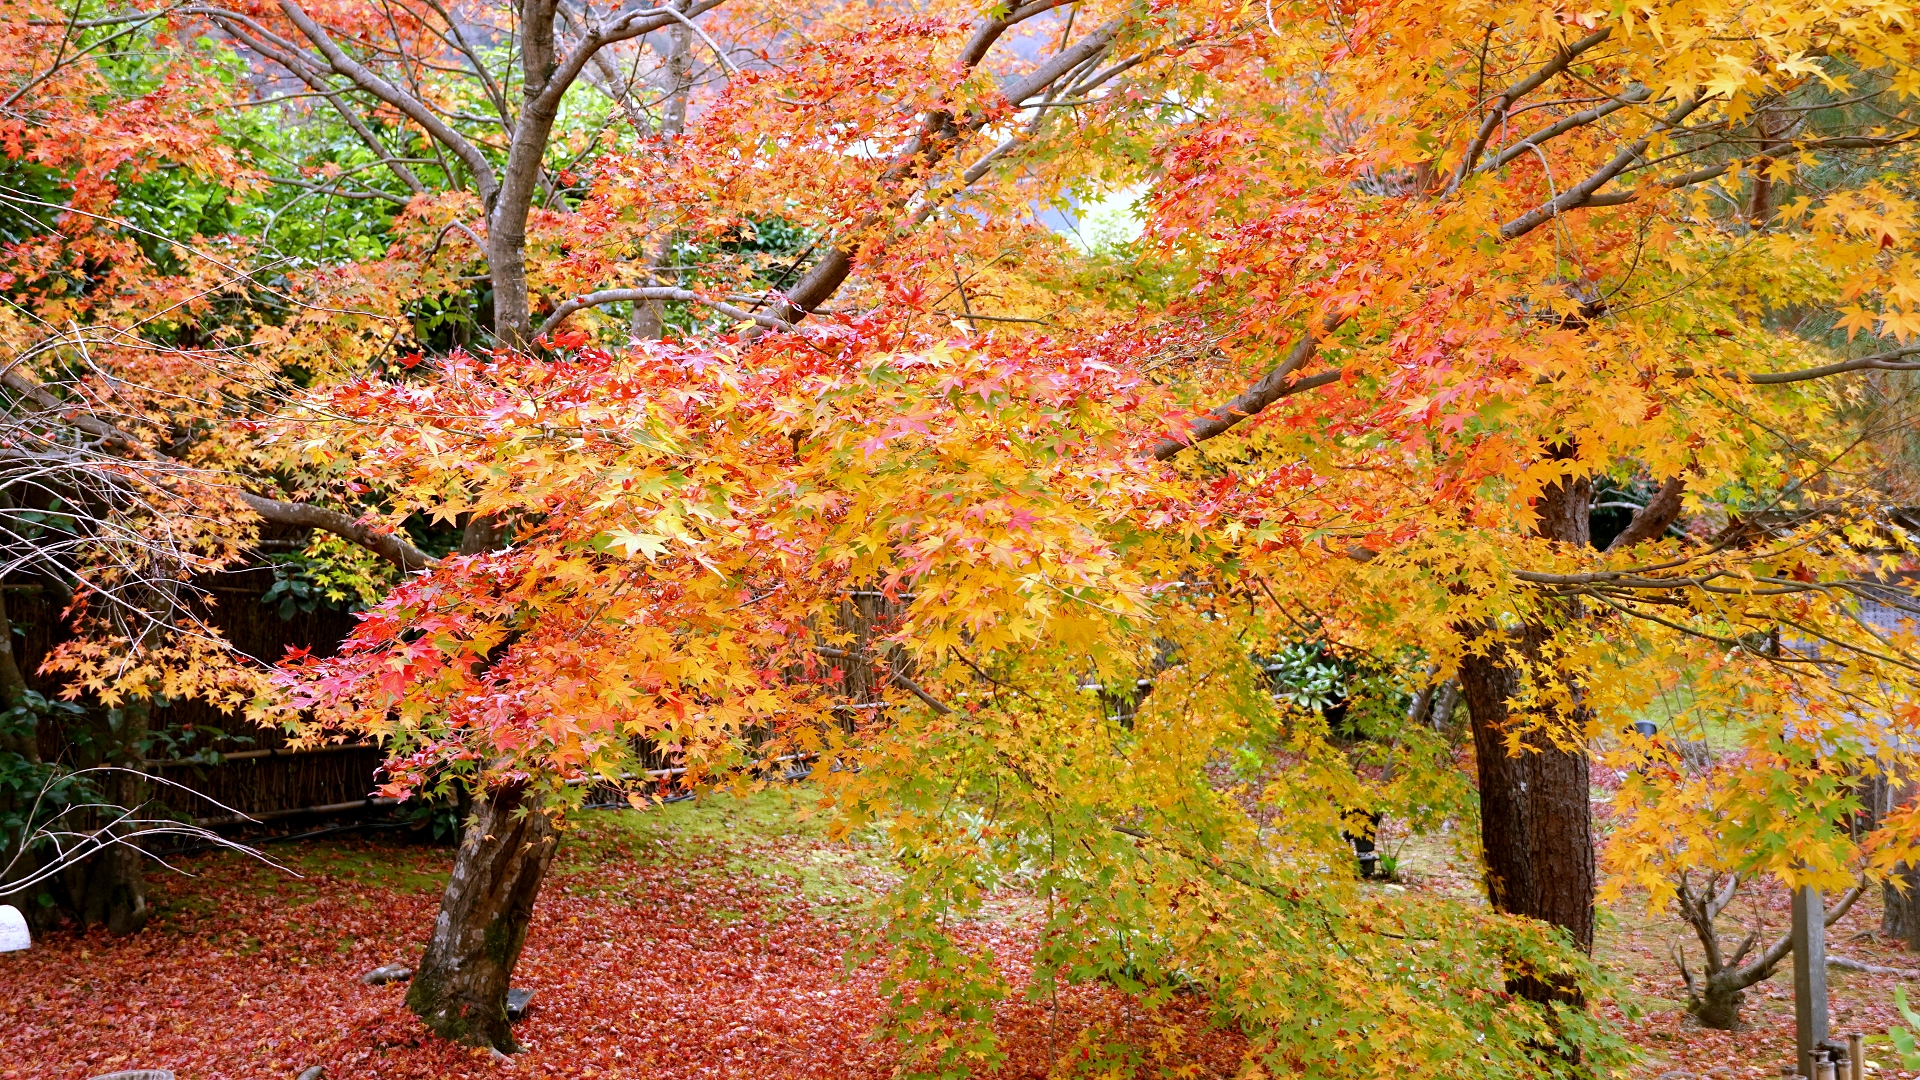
x=705, y=381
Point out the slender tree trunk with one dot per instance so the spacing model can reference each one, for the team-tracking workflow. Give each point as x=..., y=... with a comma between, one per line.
x=20, y=737
x=512, y=314
x=460, y=987
x=649, y=316
x=110, y=889
x=1536, y=820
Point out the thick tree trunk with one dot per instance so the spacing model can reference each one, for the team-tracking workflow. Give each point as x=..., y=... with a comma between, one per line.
x=1536, y=819
x=1900, y=910
x=460, y=987
x=1719, y=1006
x=1900, y=894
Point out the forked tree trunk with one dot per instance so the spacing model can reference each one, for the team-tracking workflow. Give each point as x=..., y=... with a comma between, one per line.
x=460, y=987
x=1536, y=820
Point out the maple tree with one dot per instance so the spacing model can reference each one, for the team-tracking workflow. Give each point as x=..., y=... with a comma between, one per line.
x=691, y=359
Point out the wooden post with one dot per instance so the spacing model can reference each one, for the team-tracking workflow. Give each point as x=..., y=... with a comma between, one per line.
x=1856, y=1057
x=1809, y=975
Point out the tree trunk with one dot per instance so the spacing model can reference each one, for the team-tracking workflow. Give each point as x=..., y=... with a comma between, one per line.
x=1536, y=818
x=1900, y=911
x=1719, y=1006
x=110, y=889
x=19, y=741
x=1535, y=814
x=649, y=316
x=1900, y=894
x=460, y=987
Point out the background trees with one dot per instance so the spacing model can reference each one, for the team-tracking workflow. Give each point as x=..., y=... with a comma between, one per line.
x=688, y=323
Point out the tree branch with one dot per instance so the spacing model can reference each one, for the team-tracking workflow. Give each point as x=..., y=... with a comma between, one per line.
x=1583, y=193
x=1272, y=386
x=307, y=516
x=819, y=284
x=1496, y=115
x=1634, y=96
x=990, y=30
x=1652, y=519
x=1893, y=360
x=895, y=677
x=663, y=292
x=288, y=56
x=342, y=64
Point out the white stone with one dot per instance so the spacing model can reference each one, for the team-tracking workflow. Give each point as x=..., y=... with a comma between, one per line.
x=13, y=929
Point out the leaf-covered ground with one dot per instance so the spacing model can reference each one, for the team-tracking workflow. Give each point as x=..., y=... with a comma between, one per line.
x=1642, y=950
x=699, y=941
x=1650, y=1000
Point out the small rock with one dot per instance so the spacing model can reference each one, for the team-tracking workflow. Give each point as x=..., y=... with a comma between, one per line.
x=387, y=973
x=517, y=1003
x=137, y=1074
x=14, y=935
x=317, y=1072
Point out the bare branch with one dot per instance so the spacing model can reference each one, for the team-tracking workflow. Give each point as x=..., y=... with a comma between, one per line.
x=1496, y=115
x=415, y=109
x=1893, y=360
x=1271, y=387
x=662, y=292
x=990, y=30
x=303, y=67
x=305, y=515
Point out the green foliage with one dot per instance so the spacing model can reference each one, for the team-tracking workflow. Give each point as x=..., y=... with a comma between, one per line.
x=1307, y=674
x=1151, y=877
x=1903, y=1039
x=330, y=572
x=33, y=792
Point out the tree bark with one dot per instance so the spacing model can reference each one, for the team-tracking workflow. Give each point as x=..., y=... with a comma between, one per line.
x=19, y=736
x=110, y=889
x=1536, y=820
x=460, y=986
x=1719, y=1006
x=649, y=316
x=1535, y=816
x=1900, y=893
x=1900, y=911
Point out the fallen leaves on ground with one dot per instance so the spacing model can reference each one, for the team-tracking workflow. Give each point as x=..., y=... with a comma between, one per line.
x=655, y=960
x=1676, y=1047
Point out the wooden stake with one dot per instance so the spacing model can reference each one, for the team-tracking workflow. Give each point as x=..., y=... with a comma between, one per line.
x=1809, y=975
